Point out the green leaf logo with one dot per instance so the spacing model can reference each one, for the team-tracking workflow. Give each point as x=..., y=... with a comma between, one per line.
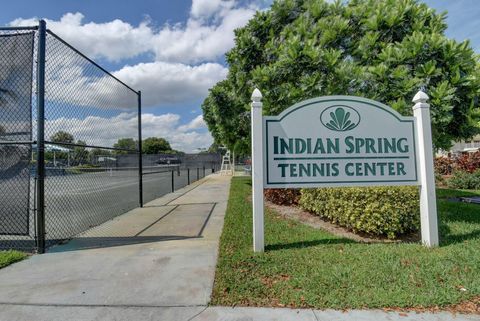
x=340, y=118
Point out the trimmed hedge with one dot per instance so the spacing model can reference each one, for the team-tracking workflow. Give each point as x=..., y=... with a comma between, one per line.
x=379, y=211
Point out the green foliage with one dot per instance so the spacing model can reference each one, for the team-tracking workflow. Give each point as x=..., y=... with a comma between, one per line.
x=80, y=153
x=213, y=149
x=87, y=166
x=9, y=257
x=384, y=50
x=227, y=118
x=379, y=211
x=155, y=145
x=465, y=180
x=62, y=137
x=125, y=143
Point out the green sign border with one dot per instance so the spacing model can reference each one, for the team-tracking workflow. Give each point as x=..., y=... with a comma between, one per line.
x=339, y=99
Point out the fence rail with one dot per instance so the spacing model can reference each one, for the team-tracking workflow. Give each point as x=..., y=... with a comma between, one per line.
x=60, y=171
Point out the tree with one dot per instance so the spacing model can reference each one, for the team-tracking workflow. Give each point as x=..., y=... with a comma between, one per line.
x=125, y=143
x=80, y=154
x=213, y=149
x=155, y=145
x=227, y=118
x=384, y=50
x=2, y=131
x=62, y=137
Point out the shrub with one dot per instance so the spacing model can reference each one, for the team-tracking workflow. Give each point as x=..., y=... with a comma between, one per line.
x=468, y=162
x=282, y=196
x=465, y=180
x=379, y=211
x=444, y=165
x=82, y=166
x=440, y=180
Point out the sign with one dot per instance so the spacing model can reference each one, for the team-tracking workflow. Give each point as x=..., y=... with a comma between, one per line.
x=343, y=141
x=339, y=141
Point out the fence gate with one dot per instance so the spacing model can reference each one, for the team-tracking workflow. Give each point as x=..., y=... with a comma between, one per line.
x=16, y=68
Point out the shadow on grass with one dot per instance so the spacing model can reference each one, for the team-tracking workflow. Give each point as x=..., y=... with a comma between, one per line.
x=445, y=193
x=464, y=216
x=305, y=244
x=459, y=238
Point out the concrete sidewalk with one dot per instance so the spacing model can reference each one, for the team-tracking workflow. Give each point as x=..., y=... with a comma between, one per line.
x=153, y=263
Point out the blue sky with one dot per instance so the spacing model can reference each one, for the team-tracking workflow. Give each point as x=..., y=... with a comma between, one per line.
x=173, y=50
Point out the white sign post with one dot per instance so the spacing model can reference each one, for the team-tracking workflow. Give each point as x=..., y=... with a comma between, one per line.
x=343, y=141
x=428, y=199
x=257, y=171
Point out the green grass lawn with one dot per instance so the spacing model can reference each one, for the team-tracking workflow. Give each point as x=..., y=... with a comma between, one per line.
x=9, y=257
x=306, y=267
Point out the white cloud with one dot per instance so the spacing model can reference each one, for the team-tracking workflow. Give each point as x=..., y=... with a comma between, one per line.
x=196, y=123
x=168, y=83
x=206, y=35
x=207, y=8
x=197, y=41
x=105, y=131
x=114, y=40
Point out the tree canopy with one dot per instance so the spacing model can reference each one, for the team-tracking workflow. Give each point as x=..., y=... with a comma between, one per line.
x=62, y=137
x=383, y=50
x=155, y=145
x=150, y=145
x=125, y=143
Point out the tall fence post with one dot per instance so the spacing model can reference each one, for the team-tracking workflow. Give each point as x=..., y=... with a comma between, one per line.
x=257, y=172
x=140, y=157
x=173, y=181
x=188, y=176
x=40, y=219
x=428, y=201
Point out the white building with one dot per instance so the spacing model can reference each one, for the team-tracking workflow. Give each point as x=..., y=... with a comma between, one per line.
x=471, y=145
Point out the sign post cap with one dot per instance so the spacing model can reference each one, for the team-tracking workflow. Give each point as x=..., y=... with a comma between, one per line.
x=420, y=97
x=256, y=95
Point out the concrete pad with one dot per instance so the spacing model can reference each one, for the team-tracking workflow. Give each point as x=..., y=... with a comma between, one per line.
x=92, y=313
x=159, y=274
x=212, y=191
x=130, y=224
x=183, y=220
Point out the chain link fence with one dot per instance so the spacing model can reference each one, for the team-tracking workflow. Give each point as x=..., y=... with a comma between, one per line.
x=61, y=169
x=165, y=173
x=16, y=92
